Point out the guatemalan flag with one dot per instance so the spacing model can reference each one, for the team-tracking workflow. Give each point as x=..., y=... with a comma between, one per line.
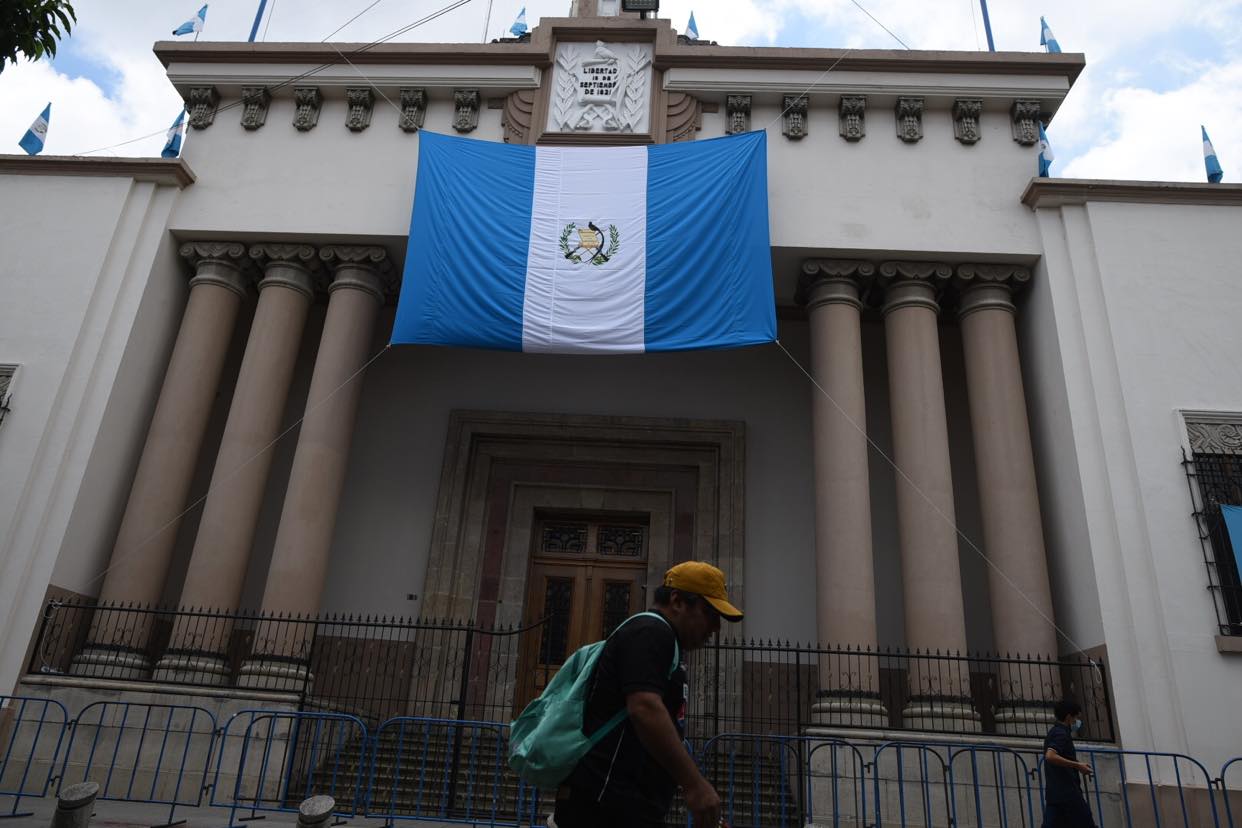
x=172, y=144
x=1047, y=39
x=195, y=24
x=32, y=142
x=589, y=249
x=1214, y=172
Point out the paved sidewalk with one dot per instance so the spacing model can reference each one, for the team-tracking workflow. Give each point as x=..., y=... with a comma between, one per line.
x=136, y=815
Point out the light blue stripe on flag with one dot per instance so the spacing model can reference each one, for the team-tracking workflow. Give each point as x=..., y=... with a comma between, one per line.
x=465, y=269
x=589, y=250
x=709, y=259
x=1233, y=523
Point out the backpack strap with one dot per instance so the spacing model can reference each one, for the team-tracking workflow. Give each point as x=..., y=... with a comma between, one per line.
x=608, y=726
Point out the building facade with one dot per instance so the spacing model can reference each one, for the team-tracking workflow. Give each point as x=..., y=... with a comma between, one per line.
x=974, y=434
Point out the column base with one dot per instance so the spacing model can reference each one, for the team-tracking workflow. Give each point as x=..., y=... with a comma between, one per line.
x=275, y=674
x=206, y=669
x=1021, y=718
x=944, y=715
x=840, y=710
x=122, y=664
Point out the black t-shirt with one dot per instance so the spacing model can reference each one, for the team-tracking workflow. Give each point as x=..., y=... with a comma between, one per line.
x=1061, y=783
x=618, y=772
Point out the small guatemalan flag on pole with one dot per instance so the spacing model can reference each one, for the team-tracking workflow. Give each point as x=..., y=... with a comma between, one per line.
x=194, y=24
x=32, y=141
x=172, y=147
x=1045, y=153
x=692, y=29
x=1214, y=172
x=519, y=26
x=1047, y=39
x=589, y=249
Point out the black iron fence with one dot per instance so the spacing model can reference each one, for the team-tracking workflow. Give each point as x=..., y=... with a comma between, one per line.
x=376, y=669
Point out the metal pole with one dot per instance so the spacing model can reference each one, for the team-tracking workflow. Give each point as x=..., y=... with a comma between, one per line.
x=257, y=18
x=987, y=25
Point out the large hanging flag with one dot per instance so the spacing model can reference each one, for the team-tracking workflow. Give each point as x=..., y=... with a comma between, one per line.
x=589, y=249
x=1214, y=172
x=1047, y=39
x=1045, y=153
x=692, y=29
x=32, y=141
x=172, y=147
x=194, y=24
x=519, y=26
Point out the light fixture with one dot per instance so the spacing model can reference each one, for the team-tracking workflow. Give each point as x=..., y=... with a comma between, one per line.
x=640, y=6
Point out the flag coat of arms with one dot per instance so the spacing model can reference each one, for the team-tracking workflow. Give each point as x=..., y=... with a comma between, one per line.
x=589, y=249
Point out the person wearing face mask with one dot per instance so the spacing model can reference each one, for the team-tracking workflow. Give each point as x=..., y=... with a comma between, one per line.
x=1065, y=807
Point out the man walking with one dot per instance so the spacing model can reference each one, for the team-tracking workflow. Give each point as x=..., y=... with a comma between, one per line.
x=1065, y=805
x=629, y=778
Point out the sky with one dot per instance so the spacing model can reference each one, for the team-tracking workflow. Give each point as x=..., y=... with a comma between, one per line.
x=1156, y=69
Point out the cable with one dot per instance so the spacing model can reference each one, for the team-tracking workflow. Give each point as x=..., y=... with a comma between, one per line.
x=352, y=19
x=878, y=23
x=970, y=4
x=268, y=24
x=215, y=484
x=947, y=519
x=281, y=84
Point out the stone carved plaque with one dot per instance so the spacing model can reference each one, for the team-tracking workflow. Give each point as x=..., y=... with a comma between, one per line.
x=601, y=87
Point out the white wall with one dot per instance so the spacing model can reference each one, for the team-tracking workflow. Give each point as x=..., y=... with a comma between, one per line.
x=77, y=256
x=1146, y=301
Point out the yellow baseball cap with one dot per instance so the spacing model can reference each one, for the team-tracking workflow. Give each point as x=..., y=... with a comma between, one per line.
x=703, y=579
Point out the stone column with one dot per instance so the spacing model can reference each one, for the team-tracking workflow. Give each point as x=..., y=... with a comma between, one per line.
x=144, y=544
x=849, y=687
x=231, y=513
x=930, y=573
x=1013, y=537
x=299, y=565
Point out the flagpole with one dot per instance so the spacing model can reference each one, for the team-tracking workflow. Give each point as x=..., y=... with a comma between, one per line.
x=987, y=25
x=254, y=30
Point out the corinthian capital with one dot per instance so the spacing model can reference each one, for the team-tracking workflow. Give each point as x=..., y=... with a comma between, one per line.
x=913, y=284
x=219, y=263
x=833, y=281
x=289, y=265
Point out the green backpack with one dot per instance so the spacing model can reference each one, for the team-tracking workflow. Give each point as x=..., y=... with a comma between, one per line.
x=546, y=741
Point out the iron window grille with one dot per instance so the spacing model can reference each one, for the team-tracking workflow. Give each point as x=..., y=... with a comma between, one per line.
x=1214, y=477
x=7, y=373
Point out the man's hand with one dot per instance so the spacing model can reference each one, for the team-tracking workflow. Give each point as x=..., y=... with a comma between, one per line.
x=1086, y=769
x=704, y=803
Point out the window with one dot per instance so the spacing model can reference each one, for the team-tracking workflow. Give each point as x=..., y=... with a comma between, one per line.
x=7, y=373
x=1214, y=472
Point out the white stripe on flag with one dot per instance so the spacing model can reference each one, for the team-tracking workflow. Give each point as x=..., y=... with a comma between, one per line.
x=577, y=306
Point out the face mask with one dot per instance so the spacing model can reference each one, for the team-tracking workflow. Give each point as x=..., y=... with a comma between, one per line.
x=1077, y=725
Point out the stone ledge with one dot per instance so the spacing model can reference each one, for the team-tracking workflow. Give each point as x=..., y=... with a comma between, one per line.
x=1058, y=192
x=167, y=171
x=1229, y=644
x=156, y=687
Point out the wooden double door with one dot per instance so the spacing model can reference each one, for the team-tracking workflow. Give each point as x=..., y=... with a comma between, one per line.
x=587, y=575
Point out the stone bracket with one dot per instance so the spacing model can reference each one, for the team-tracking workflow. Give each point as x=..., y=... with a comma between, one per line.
x=255, y=102
x=737, y=114
x=202, y=104
x=1025, y=114
x=413, y=109
x=465, y=109
x=966, y=115
x=307, y=102
x=853, y=112
x=361, y=102
x=795, y=117
x=910, y=119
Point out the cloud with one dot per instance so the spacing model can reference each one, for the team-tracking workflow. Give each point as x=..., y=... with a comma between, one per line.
x=1157, y=67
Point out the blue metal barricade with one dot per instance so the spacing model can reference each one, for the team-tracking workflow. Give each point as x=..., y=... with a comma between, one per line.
x=828, y=763
x=446, y=770
x=32, y=731
x=138, y=752
x=999, y=785
x=278, y=758
x=1132, y=787
x=759, y=779
x=1226, y=788
x=930, y=779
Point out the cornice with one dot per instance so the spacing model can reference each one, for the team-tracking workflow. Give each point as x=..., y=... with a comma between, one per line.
x=172, y=172
x=1058, y=192
x=343, y=54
